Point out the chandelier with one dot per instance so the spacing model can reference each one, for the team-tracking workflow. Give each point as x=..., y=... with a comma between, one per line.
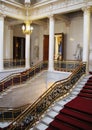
x=27, y=28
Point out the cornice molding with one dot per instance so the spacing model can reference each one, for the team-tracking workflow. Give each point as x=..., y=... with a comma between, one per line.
x=2, y=16
x=87, y=9
x=58, y=7
x=12, y=11
x=13, y=3
x=42, y=9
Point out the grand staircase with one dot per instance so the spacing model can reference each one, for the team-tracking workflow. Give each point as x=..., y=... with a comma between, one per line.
x=71, y=113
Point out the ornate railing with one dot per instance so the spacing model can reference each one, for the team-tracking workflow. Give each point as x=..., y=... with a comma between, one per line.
x=65, y=65
x=21, y=77
x=14, y=79
x=57, y=90
x=9, y=114
x=18, y=78
x=11, y=63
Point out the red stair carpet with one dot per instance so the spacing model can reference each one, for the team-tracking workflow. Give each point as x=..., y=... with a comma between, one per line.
x=76, y=114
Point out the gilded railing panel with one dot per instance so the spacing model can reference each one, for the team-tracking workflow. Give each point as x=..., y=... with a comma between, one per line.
x=11, y=63
x=9, y=114
x=57, y=90
x=21, y=77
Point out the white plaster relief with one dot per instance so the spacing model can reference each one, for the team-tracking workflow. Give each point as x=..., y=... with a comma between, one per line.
x=7, y=9
x=45, y=10
x=57, y=6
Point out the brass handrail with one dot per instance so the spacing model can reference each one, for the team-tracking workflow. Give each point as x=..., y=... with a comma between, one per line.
x=57, y=90
x=23, y=76
x=20, y=77
x=12, y=63
x=13, y=112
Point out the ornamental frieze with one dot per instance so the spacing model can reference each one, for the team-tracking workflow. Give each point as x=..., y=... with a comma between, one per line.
x=9, y=10
x=41, y=10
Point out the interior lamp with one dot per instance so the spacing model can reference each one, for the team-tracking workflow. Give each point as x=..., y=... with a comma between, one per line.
x=27, y=27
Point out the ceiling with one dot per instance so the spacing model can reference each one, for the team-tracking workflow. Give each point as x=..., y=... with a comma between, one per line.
x=61, y=17
x=23, y=1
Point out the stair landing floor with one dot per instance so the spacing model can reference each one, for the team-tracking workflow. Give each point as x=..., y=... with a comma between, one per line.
x=29, y=91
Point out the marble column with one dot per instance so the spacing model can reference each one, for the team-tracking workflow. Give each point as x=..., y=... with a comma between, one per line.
x=27, y=62
x=86, y=36
x=51, y=44
x=1, y=42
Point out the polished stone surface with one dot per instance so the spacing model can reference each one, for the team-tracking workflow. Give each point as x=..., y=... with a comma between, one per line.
x=31, y=90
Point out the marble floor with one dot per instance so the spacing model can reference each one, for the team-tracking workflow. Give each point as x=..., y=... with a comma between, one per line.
x=29, y=91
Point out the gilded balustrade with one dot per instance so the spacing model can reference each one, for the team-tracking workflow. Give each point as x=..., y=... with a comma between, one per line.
x=18, y=78
x=9, y=114
x=37, y=109
x=13, y=63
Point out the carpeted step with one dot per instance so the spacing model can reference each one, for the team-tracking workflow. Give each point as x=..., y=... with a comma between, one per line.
x=85, y=95
x=86, y=91
x=90, y=72
x=87, y=87
x=58, y=125
x=74, y=122
x=88, y=83
x=76, y=114
x=78, y=104
x=51, y=128
x=90, y=77
x=89, y=80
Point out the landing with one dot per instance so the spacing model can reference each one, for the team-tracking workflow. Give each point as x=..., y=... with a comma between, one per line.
x=29, y=92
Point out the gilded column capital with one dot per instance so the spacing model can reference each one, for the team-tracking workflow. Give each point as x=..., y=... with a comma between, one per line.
x=2, y=15
x=86, y=9
x=51, y=16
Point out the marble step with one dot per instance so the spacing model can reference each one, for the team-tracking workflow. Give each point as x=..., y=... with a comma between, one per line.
x=57, y=108
x=51, y=114
x=40, y=126
x=46, y=120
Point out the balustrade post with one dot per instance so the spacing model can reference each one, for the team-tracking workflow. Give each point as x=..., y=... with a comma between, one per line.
x=20, y=79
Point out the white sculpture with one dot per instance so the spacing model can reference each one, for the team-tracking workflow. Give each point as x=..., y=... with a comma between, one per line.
x=78, y=53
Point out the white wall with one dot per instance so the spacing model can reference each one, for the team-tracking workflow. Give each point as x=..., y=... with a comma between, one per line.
x=74, y=36
x=17, y=31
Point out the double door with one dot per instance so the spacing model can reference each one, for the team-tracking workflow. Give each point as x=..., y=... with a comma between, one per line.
x=18, y=48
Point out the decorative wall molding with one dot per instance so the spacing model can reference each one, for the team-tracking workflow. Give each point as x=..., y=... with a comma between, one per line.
x=58, y=7
x=12, y=11
x=43, y=9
